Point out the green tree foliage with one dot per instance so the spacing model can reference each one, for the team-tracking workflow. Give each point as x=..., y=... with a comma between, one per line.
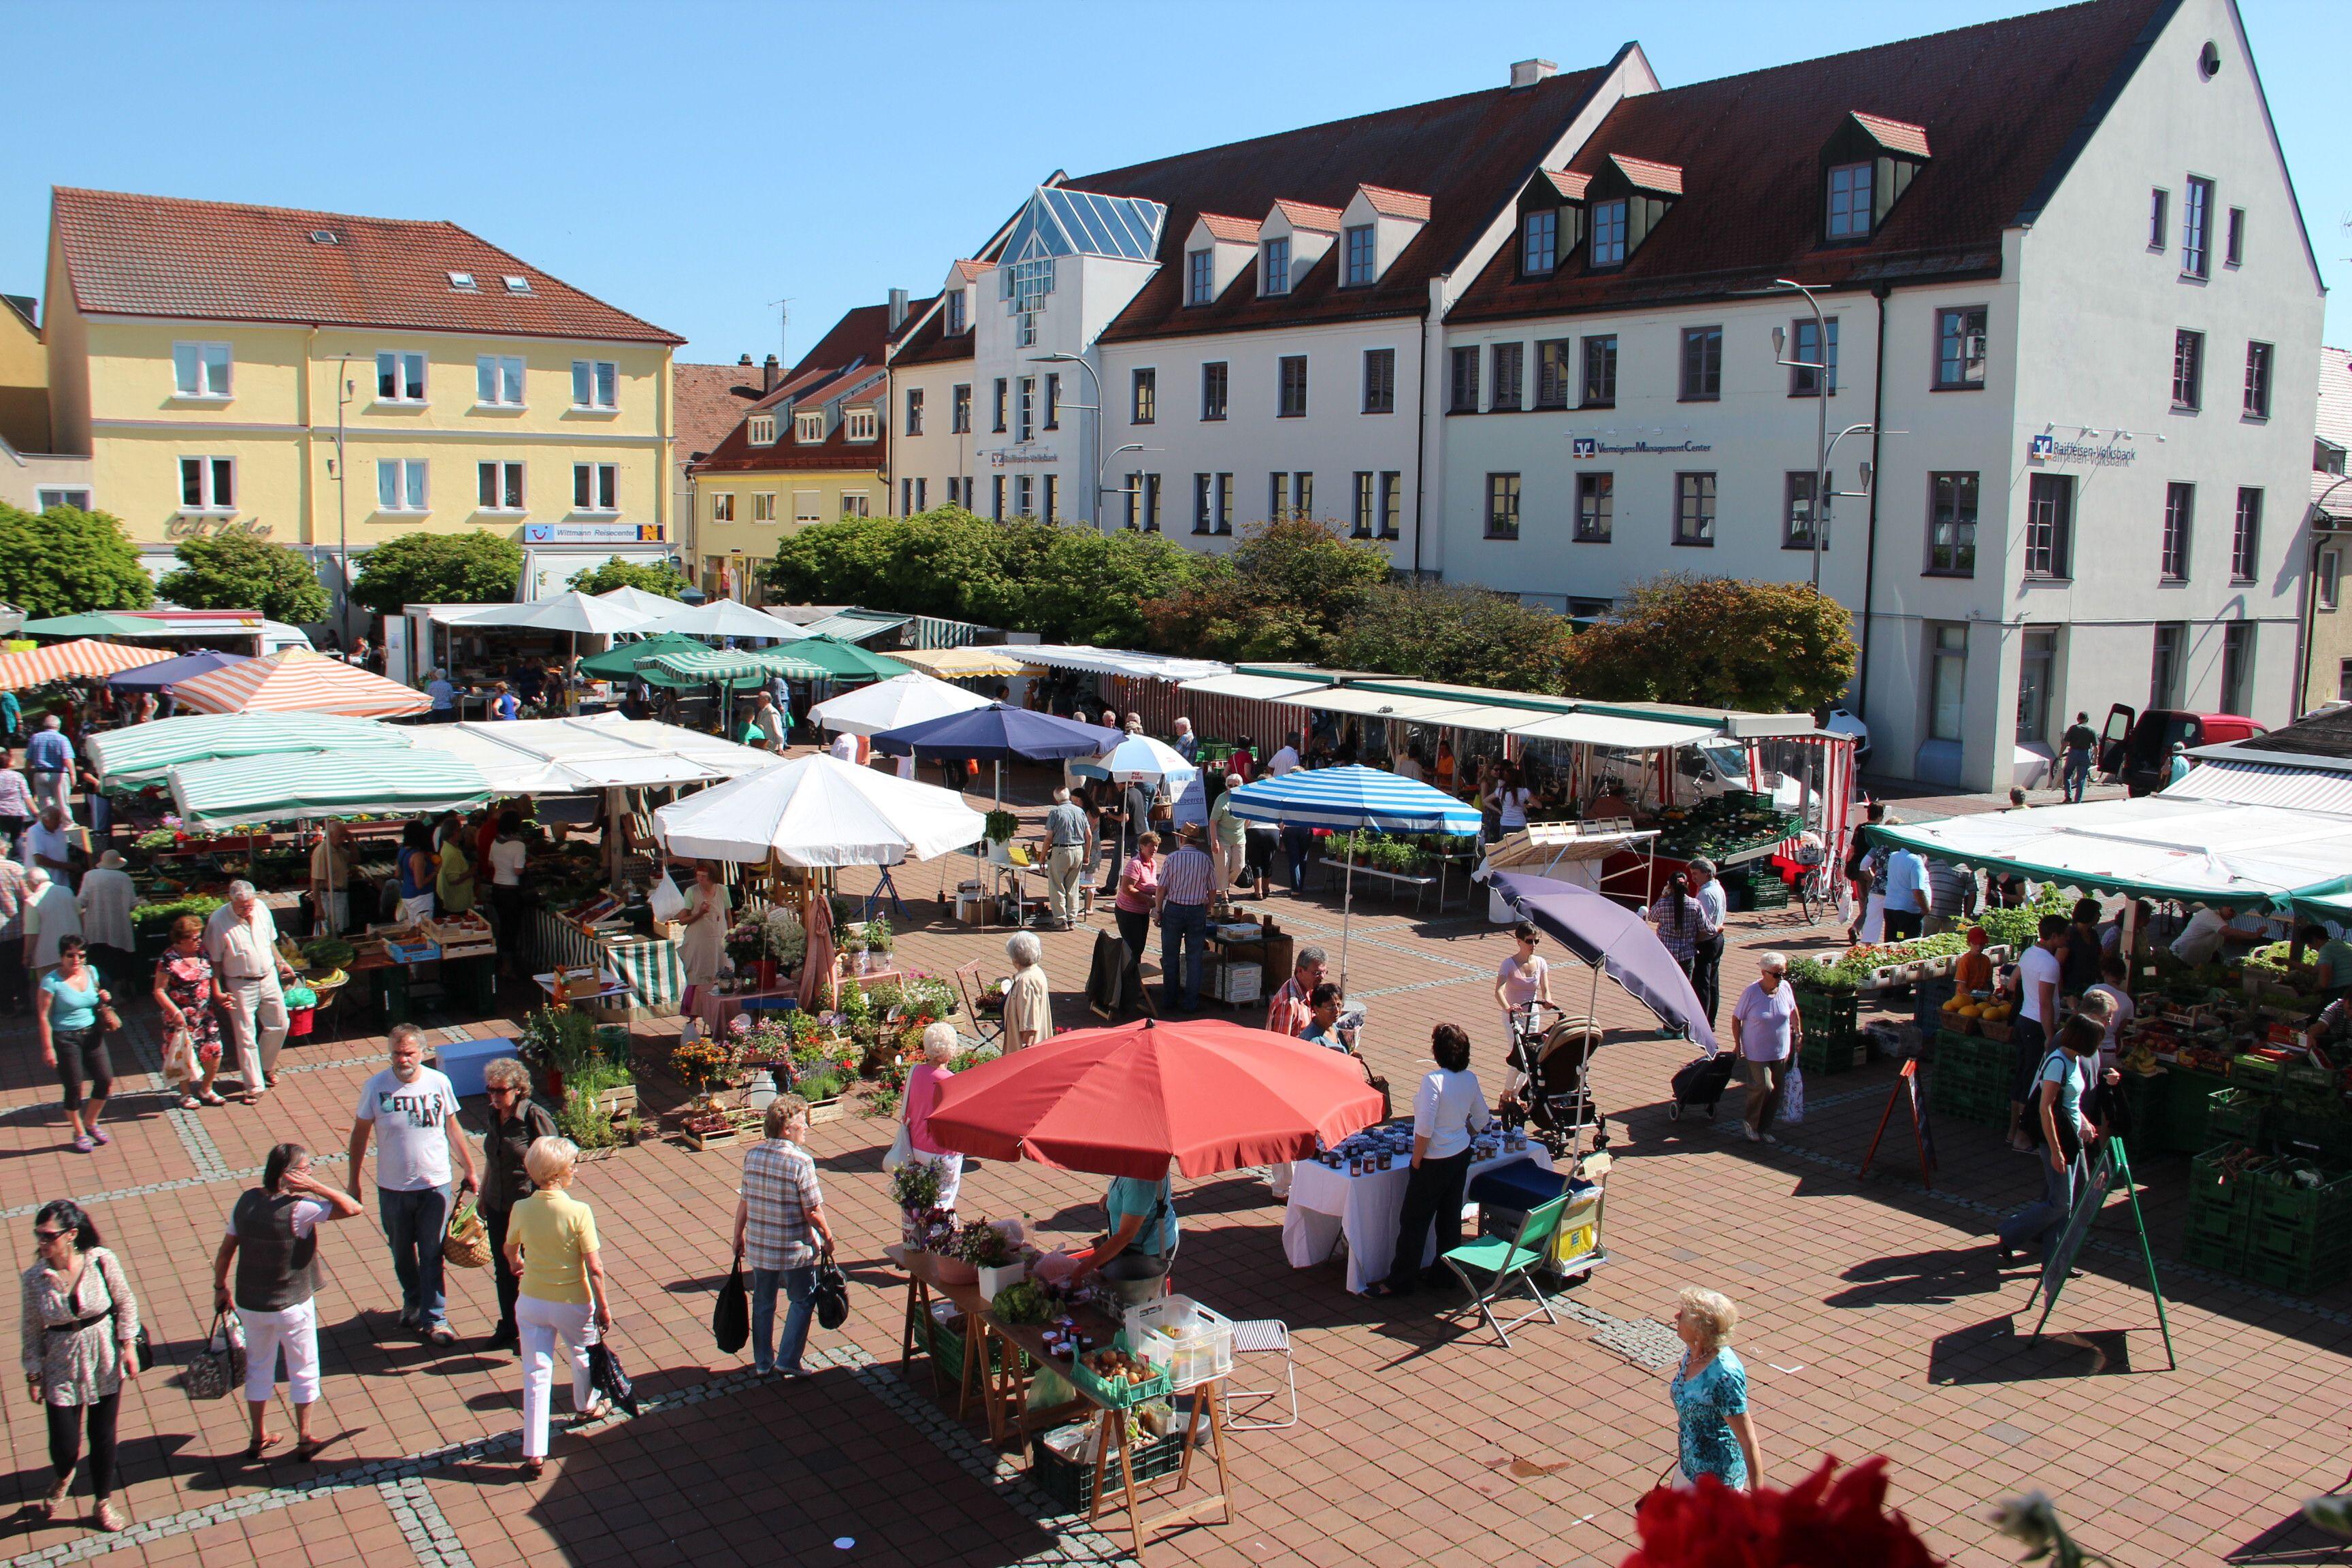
x=1463, y=635
x=1287, y=592
x=1772, y=648
x=64, y=561
x=238, y=572
x=473, y=568
x=617, y=573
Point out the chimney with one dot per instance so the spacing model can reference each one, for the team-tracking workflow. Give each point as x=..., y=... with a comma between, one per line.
x=745, y=360
x=770, y=374
x=898, y=310
x=1527, y=73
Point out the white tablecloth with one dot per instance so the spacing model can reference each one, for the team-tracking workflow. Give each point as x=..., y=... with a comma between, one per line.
x=1324, y=1203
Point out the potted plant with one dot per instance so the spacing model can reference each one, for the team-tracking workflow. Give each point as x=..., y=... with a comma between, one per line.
x=996, y=1261
x=702, y=1062
x=787, y=940
x=998, y=825
x=915, y=1186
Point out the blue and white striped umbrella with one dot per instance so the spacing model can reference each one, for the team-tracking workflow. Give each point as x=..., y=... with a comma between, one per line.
x=1345, y=799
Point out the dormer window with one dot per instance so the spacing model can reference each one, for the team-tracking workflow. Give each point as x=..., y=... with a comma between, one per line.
x=857, y=425
x=1275, y=267
x=1866, y=168
x=955, y=313
x=1539, y=242
x=1849, y=215
x=761, y=429
x=1362, y=257
x=1199, y=276
x=808, y=429
x=1609, y=233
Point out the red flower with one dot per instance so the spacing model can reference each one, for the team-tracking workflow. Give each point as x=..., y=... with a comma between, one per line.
x=1818, y=1523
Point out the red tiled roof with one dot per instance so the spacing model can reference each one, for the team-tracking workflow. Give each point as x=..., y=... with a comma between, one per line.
x=704, y=407
x=968, y=270
x=1569, y=185
x=1396, y=204
x=224, y=261
x=2008, y=104
x=1665, y=179
x=1308, y=216
x=1894, y=135
x=837, y=386
x=851, y=351
x=1241, y=230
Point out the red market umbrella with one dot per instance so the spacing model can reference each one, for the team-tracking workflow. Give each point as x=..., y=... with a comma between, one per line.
x=1124, y=1101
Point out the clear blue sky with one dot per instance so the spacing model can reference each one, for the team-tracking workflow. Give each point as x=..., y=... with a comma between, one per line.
x=692, y=163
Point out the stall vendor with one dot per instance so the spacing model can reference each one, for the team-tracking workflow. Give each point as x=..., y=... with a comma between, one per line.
x=2332, y=1031
x=1142, y=1217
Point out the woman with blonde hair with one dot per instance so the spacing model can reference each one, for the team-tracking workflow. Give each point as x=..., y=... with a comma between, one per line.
x=1710, y=1394
x=551, y=1243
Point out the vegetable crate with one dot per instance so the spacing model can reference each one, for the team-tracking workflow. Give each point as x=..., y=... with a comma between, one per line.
x=1964, y=1101
x=1829, y=1013
x=1071, y=1482
x=947, y=1348
x=2236, y=1113
x=2294, y=1128
x=1120, y=1395
x=1836, y=1053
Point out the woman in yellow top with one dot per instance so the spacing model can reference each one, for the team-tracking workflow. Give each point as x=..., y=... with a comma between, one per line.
x=453, y=881
x=551, y=1243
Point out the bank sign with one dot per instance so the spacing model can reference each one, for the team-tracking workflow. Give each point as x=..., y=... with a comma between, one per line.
x=1594, y=446
x=592, y=533
x=2049, y=449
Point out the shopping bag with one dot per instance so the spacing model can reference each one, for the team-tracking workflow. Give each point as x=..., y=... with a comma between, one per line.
x=1874, y=919
x=467, y=1244
x=666, y=903
x=605, y=1377
x=220, y=1366
x=1792, y=1097
x=901, y=1147
x=832, y=1296
x=180, y=1058
x=730, y=1318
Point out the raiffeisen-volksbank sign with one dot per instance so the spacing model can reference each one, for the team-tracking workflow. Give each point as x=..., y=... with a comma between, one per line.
x=2051, y=449
x=1601, y=446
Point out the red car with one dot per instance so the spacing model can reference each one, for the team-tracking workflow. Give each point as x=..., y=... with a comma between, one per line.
x=2136, y=748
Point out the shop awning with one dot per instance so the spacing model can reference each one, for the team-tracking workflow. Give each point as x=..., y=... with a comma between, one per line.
x=2324, y=785
x=1251, y=688
x=1117, y=661
x=142, y=755
x=567, y=756
x=962, y=663
x=1606, y=730
x=325, y=784
x=855, y=626
x=1373, y=704
x=706, y=666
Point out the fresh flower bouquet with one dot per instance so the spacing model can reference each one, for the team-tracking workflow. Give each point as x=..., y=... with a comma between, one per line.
x=768, y=1040
x=915, y=1187
x=702, y=1061
x=747, y=942
x=786, y=938
x=981, y=1243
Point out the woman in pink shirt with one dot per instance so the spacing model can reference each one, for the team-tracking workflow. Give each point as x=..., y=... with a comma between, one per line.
x=922, y=1094
x=1139, y=890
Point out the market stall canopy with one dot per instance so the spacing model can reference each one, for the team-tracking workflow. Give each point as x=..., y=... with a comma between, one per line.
x=172, y=671
x=69, y=660
x=706, y=666
x=142, y=755
x=962, y=663
x=1611, y=729
x=998, y=732
x=854, y=626
x=723, y=618
x=1250, y=687
x=94, y=623
x=573, y=611
x=298, y=680
x=652, y=606
x=1117, y=661
x=568, y=756
x=848, y=661
x=325, y=784
x=909, y=698
x=1602, y=931
x=1348, y=798
x=1126, y=1101
x=819, y=811
x=620, y=662
x=2158, y=846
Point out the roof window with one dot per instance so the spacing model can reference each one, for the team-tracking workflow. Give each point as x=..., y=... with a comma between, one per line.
x=517, y=285
x=1625, y=199
x=325, y=237
x=1866, y=166
x=463, y=281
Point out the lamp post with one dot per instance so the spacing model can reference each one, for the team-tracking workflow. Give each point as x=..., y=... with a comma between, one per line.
x=342, y=502
x=1821, y=369
x=1095, y=435
x=1102, y=476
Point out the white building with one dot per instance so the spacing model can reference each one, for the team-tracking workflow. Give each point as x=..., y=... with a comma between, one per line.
x=2073, y=316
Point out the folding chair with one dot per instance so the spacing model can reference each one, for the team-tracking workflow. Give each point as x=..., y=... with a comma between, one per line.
x=987, y=1027
x=1505, y=1262
x=1264, y=1336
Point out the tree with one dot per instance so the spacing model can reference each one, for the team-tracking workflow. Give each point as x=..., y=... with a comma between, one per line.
x=64, y=561
x=1459, y=635
x=1285, y=593
x=238, y=572
x=617, y=573
x=473, y=568
x=1720, y=642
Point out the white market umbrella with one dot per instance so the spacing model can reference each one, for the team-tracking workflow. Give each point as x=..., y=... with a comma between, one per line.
x=723, y=618
x=1140, y=759
x=652, y=606
x=819, y=811
x=576, y=612
x=907, y=698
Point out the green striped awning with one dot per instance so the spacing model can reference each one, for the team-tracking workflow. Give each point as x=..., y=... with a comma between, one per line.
x=141, y=754
x=325, y=783
x=710, y=664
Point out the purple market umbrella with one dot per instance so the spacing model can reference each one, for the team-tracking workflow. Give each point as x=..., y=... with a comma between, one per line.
x=998, y=733
x=155, y=676
x=1616, y=940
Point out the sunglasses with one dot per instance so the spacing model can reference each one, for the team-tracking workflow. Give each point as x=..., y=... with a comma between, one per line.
x=45, y=1235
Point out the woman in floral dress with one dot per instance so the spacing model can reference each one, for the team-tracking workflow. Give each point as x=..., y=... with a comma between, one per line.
x=185, y=994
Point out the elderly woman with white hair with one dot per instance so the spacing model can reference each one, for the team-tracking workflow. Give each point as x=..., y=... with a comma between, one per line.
x=51, y=915
x=1029, y=998
x=924, y=1083
x=1716, y=1435
x=551, y=1243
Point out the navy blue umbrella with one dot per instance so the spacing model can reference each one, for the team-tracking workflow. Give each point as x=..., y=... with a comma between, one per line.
x=1613, y=938
x=172, y=671
x=996, y=734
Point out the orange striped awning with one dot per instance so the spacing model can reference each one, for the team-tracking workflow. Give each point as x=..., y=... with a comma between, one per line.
x=64, y=660
x=298, y=680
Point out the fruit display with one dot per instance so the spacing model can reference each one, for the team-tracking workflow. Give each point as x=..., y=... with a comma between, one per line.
x=328, y=953
x=1118, y=1366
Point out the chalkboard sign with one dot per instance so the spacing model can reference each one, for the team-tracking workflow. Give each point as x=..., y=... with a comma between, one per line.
x=2112, y=1168
x=1906, y=1083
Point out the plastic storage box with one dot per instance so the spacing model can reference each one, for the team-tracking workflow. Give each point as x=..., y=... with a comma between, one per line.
x=1187, y=1341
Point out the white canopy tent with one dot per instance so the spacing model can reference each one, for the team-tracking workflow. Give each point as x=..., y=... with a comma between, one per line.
x=723, y=618
x=571, y=756
x=819, y=811
x=902, y=699
x=652, y=606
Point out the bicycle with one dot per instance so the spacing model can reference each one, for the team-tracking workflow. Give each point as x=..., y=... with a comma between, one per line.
x=1816, y=893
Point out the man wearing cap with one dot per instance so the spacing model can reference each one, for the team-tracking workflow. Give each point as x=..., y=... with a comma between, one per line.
x=1706, y=953
x=2178, y=769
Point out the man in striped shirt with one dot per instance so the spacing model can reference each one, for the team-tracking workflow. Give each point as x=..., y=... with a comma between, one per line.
x=781, y=1231
x=1186, y=880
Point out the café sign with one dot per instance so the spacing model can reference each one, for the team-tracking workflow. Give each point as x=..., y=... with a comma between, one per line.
x=214, y=528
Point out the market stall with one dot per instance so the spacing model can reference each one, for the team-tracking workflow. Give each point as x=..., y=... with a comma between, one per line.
x=297, y=681
x=1355, y=1191
x=81, y=660
x=132, y=759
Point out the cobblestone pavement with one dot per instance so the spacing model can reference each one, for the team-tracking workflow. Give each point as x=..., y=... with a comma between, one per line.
x=1875, y=1322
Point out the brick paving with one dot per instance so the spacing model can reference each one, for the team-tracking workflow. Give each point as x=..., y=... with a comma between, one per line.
x=1875, y=1322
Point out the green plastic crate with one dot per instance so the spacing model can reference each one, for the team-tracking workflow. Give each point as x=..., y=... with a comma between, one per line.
x=1837, y=1053
x=2223, y=1255
x=2273, y=1197
x=2299, y=1276
x=1830, y=1012
x=2236, y=1113
x=2328, y=1136
x=1961, y=1102
x=1071, y=1482
x=2212, y=1189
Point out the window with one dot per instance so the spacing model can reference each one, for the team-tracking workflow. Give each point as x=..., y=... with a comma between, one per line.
x=2166, y=666
x=500, y=487
x=596, y=487
x=400, y=378
x=1702, y=363
x=955, y=492
x=461, y=280
x=1796, y=511
x=2233, y=253
x=1600, y=373
x=808, y=428
x=859, y=425
x=1552, y=360
x=1053, y=400
x=1464, y=382
x=595, y=384
x=912, y=497
x=2188, y=370
x=853, y=504
x=1224, y=503
x=955, y=322
x=400, y=484
x=1511, y=376
x=1151, y=503
x=759, y=430
x=208, y=484
x=48, y=500
x=1025, y=415
x=2159, y=219
x=1960, y=347
x=1803, y=380
x=2327, y=456
x=1292, y=371
x=996, y=497
x=2343, y=681
x=1502, y=506
x=200, y=370
x=2331, y=578
x=1596, y=508
x=1539, y=242
x=722, y=506
x=1362, y=257
x=1952, y=525
x=2049, y=525
x=1948, y=681
x=1026, y=284
x=997, y=423
x=1199, y=276
x=1278, y=495
x=2037, y=662
x=1363, y=525
x=2179, y=512
x=2196, y=228
x=1275, y=261
x=1024, y=496
x=2258, y=381
x=763, y=506
x=1849, y=216
x=498, y=381
x=1379, y=381
x=1200, y=503
x=2246, y=536
x=1392, y=502
x=914, y=411
x=1143, y=396
x=1695, y=508
x=1609, y=234
x=2238, y=666
x=1212, y=390
x=960, y=409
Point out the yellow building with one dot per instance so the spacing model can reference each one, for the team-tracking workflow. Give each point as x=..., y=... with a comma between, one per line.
x=211, y=358
x=814, y=448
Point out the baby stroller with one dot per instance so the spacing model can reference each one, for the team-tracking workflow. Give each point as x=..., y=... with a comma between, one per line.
x=1550, y=1084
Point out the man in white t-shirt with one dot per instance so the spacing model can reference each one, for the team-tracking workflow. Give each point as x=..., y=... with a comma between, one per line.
x=2036, y=1024
x=845, y=747
x=1766, y=1030
x=412, y=1109
x=1284, y=760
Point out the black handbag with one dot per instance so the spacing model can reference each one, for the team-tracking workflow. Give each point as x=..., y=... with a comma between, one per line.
x=730, y=1318
x=605, y=1377
x=832, y=1295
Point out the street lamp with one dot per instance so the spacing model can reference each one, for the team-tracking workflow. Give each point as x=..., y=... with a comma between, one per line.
x=1102, y=473
x=343, y=391
x=1821, y=369
x=1095, y=435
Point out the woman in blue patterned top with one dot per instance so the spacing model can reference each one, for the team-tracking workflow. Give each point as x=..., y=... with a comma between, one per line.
x=1710, y=1394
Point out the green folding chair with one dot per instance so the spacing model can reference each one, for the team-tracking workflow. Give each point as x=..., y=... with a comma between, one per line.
x=1506, y=1262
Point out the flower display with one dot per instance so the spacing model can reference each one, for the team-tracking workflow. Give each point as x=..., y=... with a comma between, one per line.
x=786, y=938
x=702, y=1061
x=1825, y=1518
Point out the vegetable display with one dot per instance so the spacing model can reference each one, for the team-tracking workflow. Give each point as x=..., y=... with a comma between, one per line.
x=1024, y=1301
x=1722, y=827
